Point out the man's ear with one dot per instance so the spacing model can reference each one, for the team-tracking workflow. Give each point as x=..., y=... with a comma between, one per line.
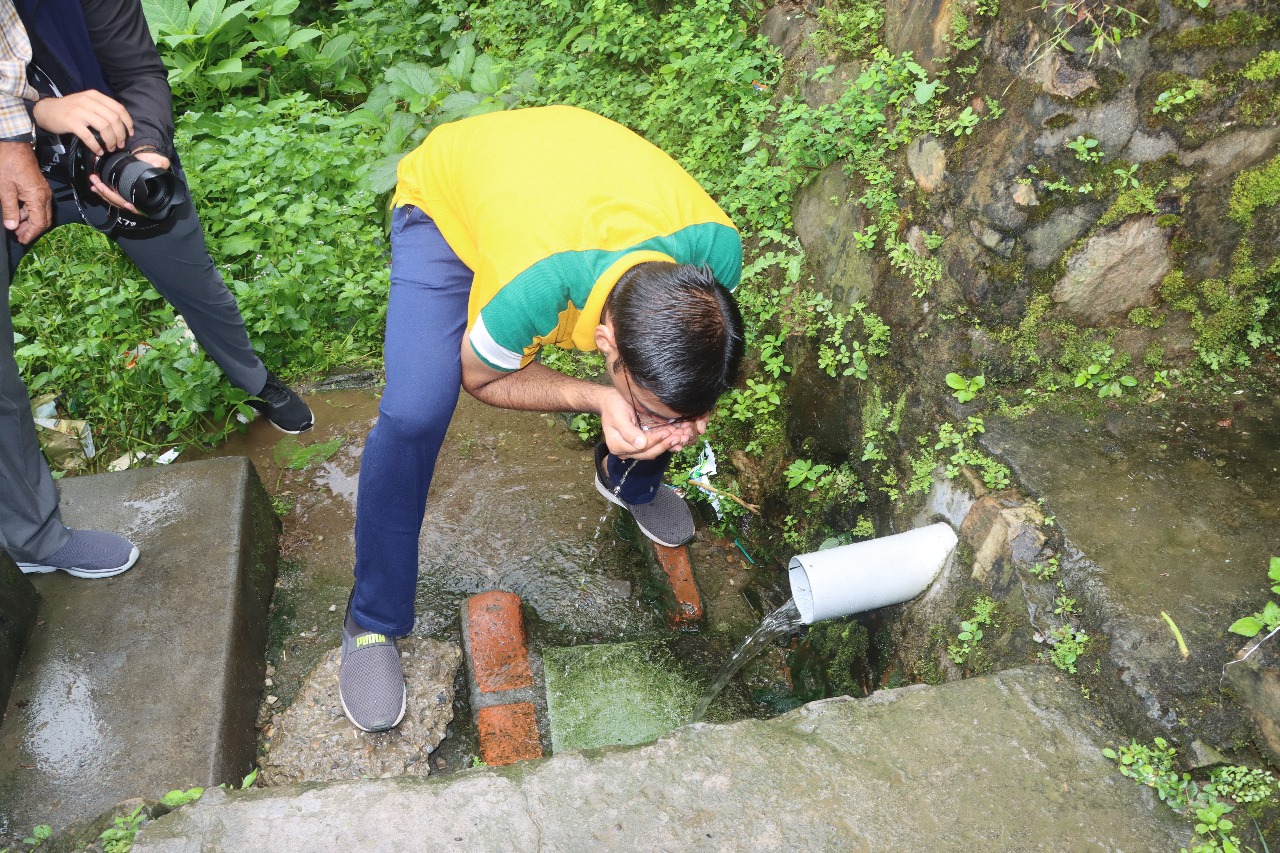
x=604, y=339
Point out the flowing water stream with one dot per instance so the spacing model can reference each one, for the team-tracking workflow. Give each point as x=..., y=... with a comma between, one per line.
x=781, y=621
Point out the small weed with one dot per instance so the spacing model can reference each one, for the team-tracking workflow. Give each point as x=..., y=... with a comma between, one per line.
x=982, y=613
x=804, y=474
x=39, y=835
x=963, y=124
x=289, y=453
x=1101, y=376
x=1064, y=605
x=1046, y=570
x=1105, y=24
x=1068, y=644
x=964, y=389
x=1170, y=99
x=1268, y=618
x=118, y=838
x=1086, y=149
x=1128, y=177
x=281, y=505
x=1153, y=766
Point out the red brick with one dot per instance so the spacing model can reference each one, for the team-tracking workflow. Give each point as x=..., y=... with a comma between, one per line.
x=674, y=562
x=508, y=733
x=499, y=652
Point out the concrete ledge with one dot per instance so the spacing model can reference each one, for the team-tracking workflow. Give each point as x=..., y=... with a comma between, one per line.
x=1009, y=762
x=18, y=603
x=149, y=681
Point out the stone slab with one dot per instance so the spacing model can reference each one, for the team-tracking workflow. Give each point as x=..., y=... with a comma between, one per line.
x=313, y=741
x=18, y=604
x=148, y=681
x=1006, y=762
x=1167, y=511
x=614, y=694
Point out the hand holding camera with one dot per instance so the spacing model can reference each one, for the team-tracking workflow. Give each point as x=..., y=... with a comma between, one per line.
x=100, y=122
x=139, y=181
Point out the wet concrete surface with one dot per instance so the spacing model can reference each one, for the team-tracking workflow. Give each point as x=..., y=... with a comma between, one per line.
x=1172, y=511
x=1007, y=762
x=512, y=507
x=148, y=681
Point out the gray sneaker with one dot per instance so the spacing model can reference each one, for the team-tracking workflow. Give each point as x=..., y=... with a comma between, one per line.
x=370, y=679
x=87, y=554
x=666, y=519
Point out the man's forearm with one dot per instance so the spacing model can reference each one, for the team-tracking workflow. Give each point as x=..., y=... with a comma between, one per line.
x=537, y=388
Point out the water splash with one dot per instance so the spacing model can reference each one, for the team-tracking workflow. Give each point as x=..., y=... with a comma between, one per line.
x=784, y=620
x=617, y=492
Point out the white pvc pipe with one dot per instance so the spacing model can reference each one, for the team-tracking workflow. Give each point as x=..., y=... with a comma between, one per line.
x=866, y=575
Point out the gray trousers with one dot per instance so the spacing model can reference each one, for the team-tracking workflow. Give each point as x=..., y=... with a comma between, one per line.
x=175, y=260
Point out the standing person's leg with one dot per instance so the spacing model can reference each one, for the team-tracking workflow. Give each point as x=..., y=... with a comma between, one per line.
x=426, y=319
x=176, y=261
x=31, y=527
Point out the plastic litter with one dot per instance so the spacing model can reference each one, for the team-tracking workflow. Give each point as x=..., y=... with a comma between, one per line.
x=702, y=472
x=67, y=443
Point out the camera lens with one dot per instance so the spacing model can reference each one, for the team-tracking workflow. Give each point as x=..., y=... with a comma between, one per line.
x=151, y=190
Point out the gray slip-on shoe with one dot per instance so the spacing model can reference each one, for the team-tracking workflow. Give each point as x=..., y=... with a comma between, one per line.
x=87, y=554
x=370, y=679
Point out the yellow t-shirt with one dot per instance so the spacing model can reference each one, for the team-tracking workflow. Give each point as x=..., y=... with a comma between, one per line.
x=548, y=207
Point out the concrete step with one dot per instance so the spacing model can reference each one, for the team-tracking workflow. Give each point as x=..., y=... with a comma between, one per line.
x=149, y=681
x=1006, y=762
x=19, y=602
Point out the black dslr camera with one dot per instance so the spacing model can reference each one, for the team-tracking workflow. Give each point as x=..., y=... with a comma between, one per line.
x=154, y=192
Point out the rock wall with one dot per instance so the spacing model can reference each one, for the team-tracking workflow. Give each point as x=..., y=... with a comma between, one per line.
x=1117, y=207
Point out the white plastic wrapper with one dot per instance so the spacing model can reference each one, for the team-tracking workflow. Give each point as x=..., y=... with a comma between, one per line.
x=702, y=473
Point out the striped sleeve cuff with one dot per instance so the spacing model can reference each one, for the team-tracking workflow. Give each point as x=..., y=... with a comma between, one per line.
x=490, y=351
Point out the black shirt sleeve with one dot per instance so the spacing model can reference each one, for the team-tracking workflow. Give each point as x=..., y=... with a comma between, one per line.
x=133, y=67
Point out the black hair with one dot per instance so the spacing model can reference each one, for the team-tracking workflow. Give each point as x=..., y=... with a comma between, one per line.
x=678, y=332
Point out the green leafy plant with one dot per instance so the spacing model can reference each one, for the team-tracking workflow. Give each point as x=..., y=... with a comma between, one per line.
x=963, y=124
x=175, y=799
x=981, y=614
x=218, y=47
x=1266, y=619
x=415, y=97
x=1046, y=570
x=118, y=838
x=1101, y=375
x=1246, y=785
x=1086, y=149
x=1067, y=645
x=964, y=389
x=1171, y=99
x=292, y=454
x=804, y=474
x=1154, y=767
x=1128, y=177
x=39, y=835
